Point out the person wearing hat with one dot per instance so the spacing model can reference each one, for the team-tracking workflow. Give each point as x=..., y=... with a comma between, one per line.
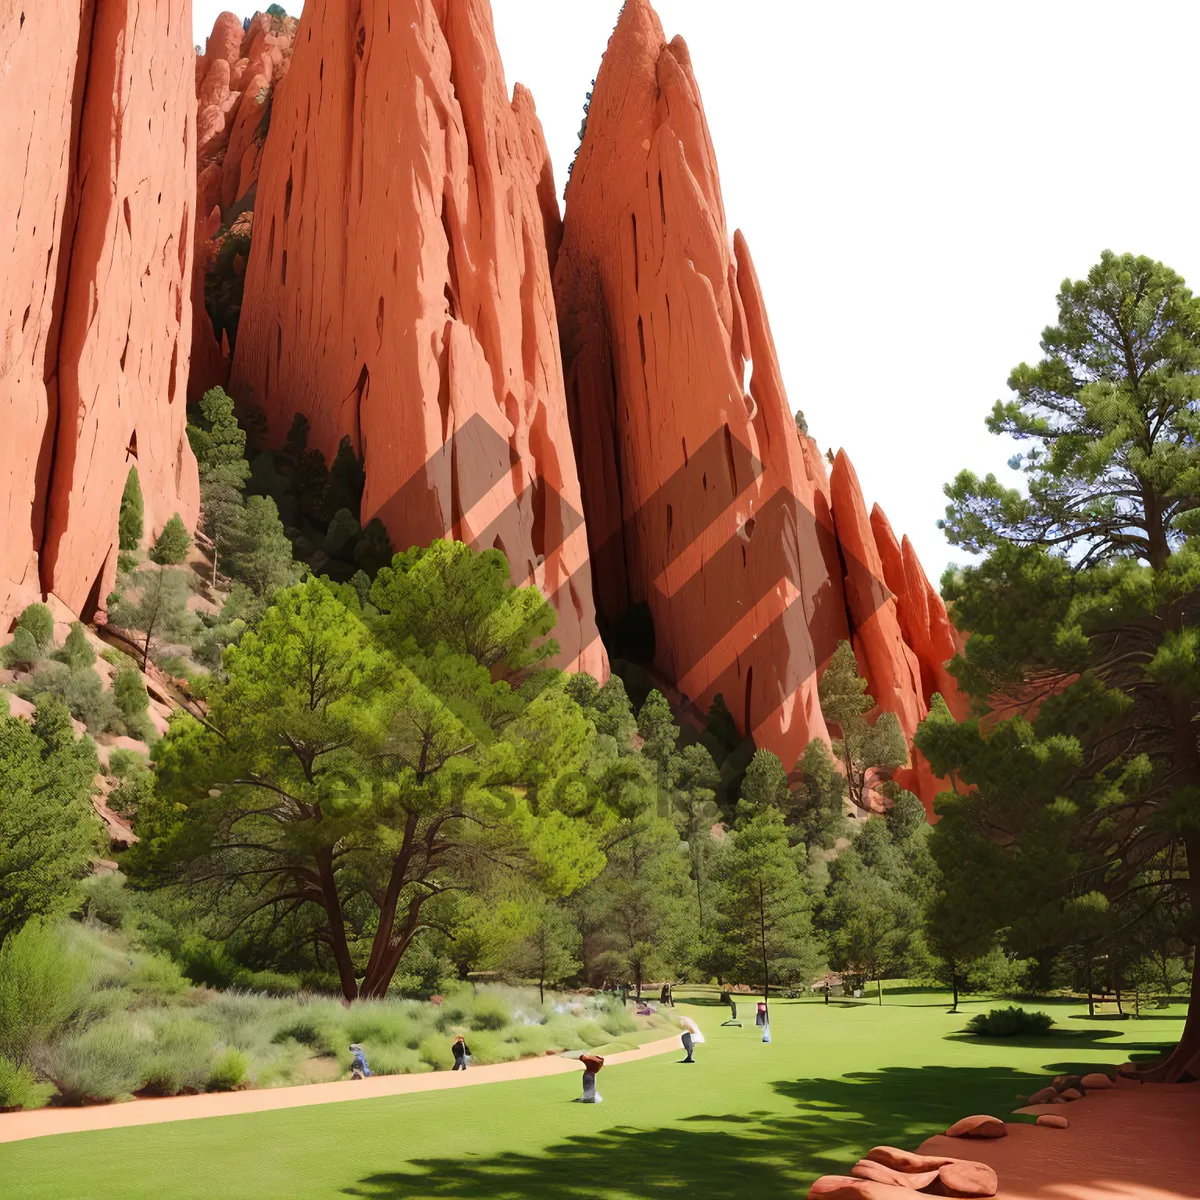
x=358, y=1063
x=461, y=1053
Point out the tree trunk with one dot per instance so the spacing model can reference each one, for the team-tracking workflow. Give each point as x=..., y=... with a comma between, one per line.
x=954, y=989
x=1184, y=1061
x=1091, y=996
x=337, y=927
x=879, y=988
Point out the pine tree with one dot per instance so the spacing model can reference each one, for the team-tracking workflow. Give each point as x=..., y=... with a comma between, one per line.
x=219, y=444
x=259, y=553
x=172, y=545
x=820, y=799
x=1088, y=602
x=869, y=753
x=132, y=518
x=160, y=612
x=765, y=786
x=656, y=725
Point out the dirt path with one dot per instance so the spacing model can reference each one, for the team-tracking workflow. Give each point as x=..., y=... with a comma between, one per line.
x=15, y=1127
x=1136, y=1142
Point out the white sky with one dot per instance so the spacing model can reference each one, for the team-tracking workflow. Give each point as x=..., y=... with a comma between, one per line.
x=915, y=180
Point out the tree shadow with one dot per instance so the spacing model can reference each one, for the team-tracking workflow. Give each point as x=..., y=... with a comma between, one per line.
x=831, y=1122
x=1064, y=1039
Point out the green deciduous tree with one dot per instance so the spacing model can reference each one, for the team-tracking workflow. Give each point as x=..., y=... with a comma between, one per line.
x=1085, y=616
x=544, y=949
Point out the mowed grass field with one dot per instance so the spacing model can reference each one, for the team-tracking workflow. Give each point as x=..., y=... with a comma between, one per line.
x=746, y=1120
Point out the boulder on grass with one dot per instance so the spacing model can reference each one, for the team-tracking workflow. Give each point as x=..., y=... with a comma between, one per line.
x=1043, y=1096
x=1070, y=1094
x=1052, y=1121
x=1128, y=1069
x=1097, y=1081
x=906, y=1160
x=913, y=1180
x=978, y=1126
x=849, y=1187
x=1062, y=1082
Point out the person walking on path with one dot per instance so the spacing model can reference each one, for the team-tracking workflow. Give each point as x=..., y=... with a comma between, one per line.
x=461, y=1053
x=358, y=1063
x=692, y=1037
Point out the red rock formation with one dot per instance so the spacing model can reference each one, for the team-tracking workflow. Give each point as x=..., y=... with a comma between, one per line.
x=702, y=503
x=94, y=286
x=235, y=80
x=923, y=617
x=398, y=290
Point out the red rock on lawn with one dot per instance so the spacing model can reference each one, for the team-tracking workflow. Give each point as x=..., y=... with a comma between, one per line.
x=848, y=1187
x=1128, y=1069
x=1070, y=1094
x=1052, y=1121
x=913, y=1180
x=965, y=1179
x=1046, y=1095
x=1097, y=1081
x=979, y=1126
x=906, y=1160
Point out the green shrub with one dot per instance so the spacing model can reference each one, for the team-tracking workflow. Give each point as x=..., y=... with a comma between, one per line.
x=491, y=1012
x=156, y=979
x=310, y=1030
x=206, y=962
x=1008, y=1022
x=614, y=1019
x=130, y=693
x=128, y=561
x=106, y=899
x=489, y=1048
x=395, y=1060
x=39, y=621
x=116, y=658
x=81, y=691
x=593, y=1033
x=132, y=793
x=436, y=1052
x=76, y=652
x=229, y=1070
x=19, y=1087
x=122, y=763
x=181, y=1058
x=99, y=1064
x=273, y=983
x=177, y=665
x=43, y=984
x=22, y=653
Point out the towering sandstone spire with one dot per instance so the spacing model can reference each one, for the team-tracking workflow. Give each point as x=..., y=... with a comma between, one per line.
x=398, y=291
x=95, y=278
x=703, y=504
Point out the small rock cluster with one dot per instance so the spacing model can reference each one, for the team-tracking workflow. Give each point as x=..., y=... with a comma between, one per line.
x=1064, y=1089
x=887, y=1168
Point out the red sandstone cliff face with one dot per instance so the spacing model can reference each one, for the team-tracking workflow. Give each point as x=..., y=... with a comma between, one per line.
x=702, y=503
x=398, y=290
x=236, y=78
x=95, y=275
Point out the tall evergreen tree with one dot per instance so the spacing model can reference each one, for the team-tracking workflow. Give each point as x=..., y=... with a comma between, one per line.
x=1086, y=616
x=131, y=522
x=868, y=753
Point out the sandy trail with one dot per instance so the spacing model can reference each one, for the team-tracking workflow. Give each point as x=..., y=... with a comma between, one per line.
x=1136, y=1142
x=18, y=1126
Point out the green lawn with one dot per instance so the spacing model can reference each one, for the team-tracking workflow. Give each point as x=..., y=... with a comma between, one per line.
x=747, y=1120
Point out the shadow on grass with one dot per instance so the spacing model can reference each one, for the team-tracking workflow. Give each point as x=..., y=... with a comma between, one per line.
x=1058, y=1039
x=829, y=1123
